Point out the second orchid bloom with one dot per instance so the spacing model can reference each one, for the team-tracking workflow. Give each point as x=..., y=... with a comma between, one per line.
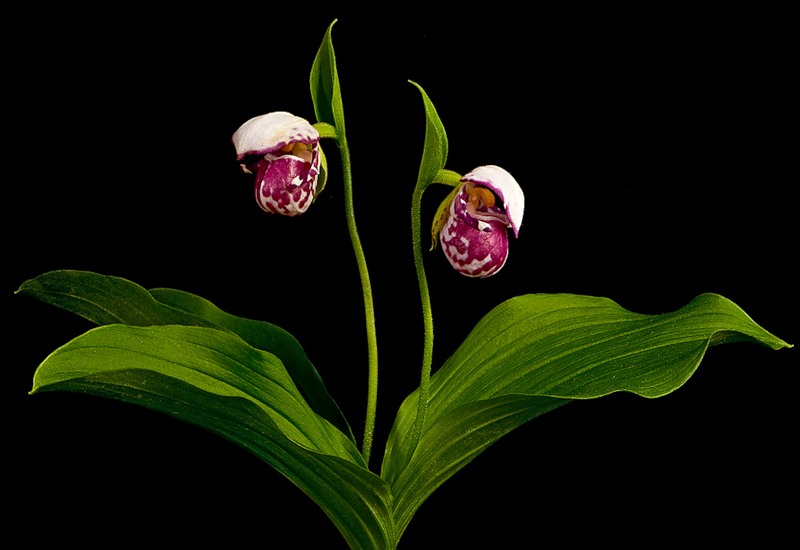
x=283, y=152
x=474, y=228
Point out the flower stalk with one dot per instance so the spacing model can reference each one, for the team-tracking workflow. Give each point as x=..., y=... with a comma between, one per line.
x=446, y=177
x=369, y=305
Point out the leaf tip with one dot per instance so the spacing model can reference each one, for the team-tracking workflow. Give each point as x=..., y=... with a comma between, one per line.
x=26, y=286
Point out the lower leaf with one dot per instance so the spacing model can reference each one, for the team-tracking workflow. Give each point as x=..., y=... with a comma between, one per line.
x=105, y=299
x=535, y=352
x=454, y=440
x=213, y=379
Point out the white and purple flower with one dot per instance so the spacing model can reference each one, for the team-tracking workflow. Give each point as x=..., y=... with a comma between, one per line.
x=474, y=236
x=283, y=151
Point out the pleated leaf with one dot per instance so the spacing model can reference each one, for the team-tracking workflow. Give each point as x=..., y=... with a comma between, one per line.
x=265, y=336
x=535, y=352
x=215, y=380
x=104, y=299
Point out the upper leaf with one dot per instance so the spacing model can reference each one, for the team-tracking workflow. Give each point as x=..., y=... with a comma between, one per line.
x=325, y=90
x=434, y=154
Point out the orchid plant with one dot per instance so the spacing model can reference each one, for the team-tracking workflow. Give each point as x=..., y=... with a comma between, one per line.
x=251, y=382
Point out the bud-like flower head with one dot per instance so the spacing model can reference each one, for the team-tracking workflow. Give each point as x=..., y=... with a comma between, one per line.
x=283, y=151
x=474, y=236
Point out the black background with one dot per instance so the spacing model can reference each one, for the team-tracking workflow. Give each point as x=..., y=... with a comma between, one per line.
x=653, y=146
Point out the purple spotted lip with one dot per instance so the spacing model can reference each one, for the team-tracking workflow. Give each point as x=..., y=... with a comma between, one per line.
x=283, y=151
x=474, y=237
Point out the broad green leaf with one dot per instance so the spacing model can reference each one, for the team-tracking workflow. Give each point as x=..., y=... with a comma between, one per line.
x=533, y=352
x=104, y=299
x=325, y=90
x=265, y=336
x=215, y=380
x=434, y=154
x=454, y=440
x=212, y=360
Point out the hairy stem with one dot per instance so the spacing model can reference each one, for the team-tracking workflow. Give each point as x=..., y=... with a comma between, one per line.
x=450, y=178
x=369, y=307
x=427, y=315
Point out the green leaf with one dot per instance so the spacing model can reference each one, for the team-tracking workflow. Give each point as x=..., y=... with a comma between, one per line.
x=325, y=90
x=532, y=353
x=265, y=336
x=215, y=380
x=105, y=299
x=453, y=441
x=211, y=360
x=434, y=154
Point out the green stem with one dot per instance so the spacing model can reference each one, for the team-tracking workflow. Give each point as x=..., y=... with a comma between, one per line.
x=369, y=307
x=452, y=179
x=427, y=315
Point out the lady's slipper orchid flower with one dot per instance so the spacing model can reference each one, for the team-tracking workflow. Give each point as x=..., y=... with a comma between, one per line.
x=474, y=235
x=283, y=151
